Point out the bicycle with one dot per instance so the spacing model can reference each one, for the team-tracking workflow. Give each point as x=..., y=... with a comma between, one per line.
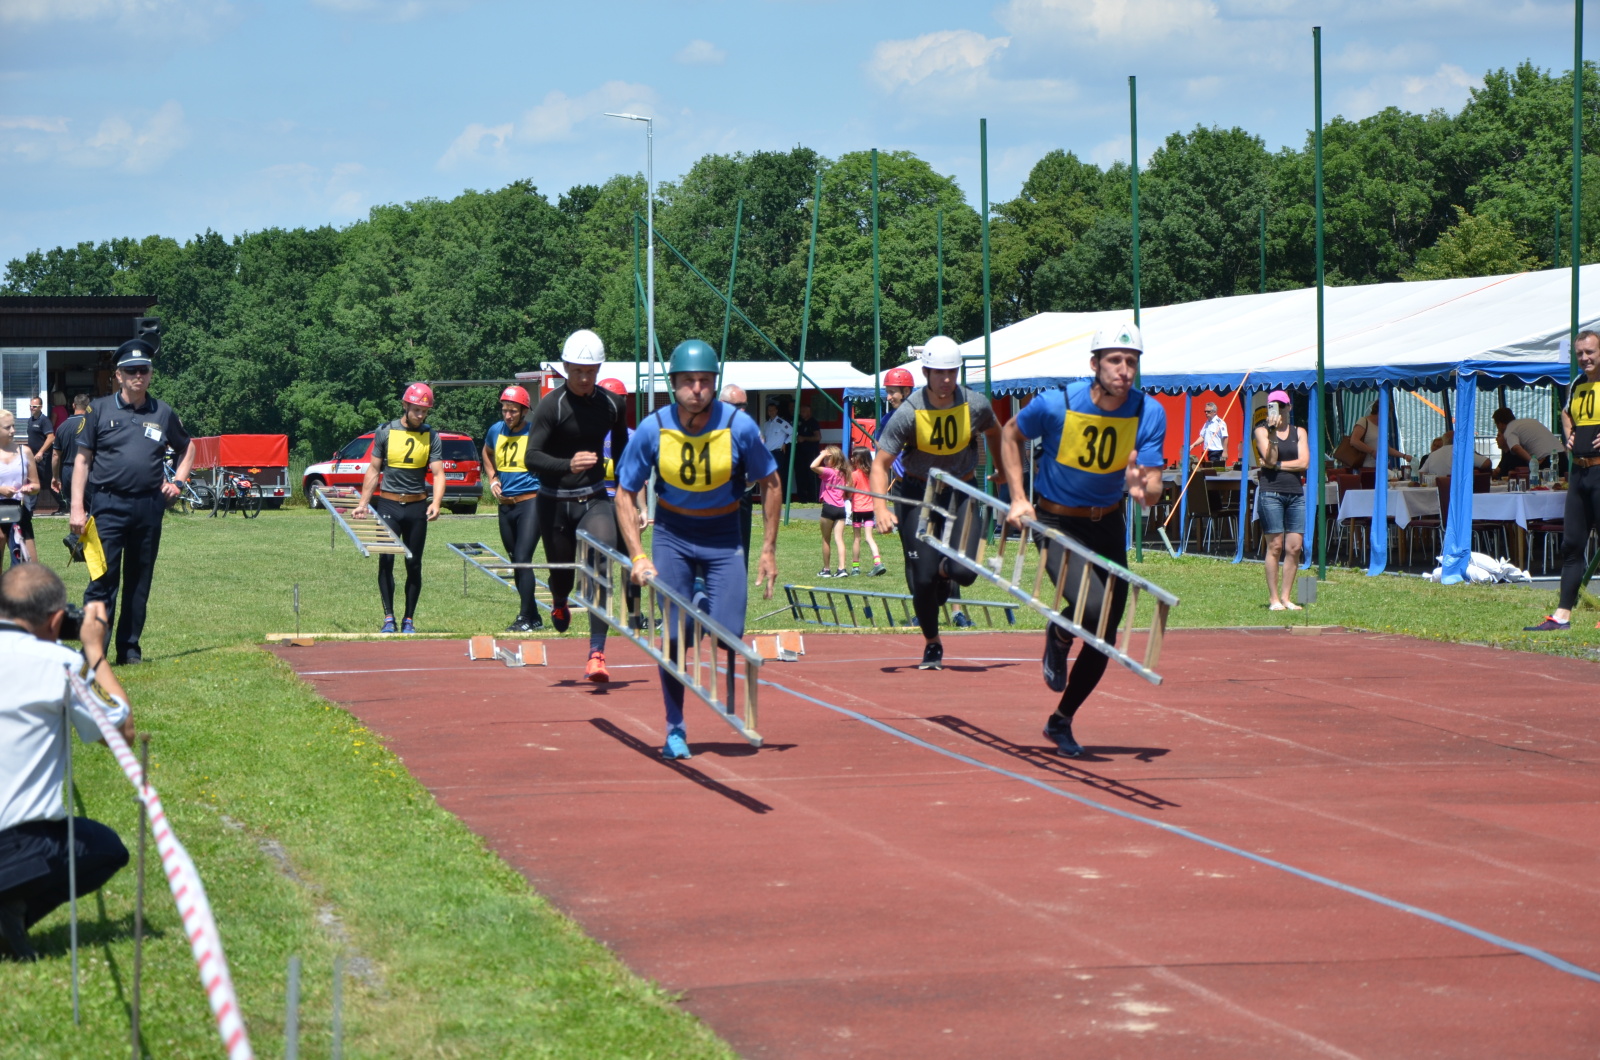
x=236, y=493
x=190, y=495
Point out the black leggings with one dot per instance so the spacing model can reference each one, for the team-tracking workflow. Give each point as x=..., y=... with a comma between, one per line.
x=1107, y=536
x=519, y=533
x=930, y=588
x=409, y=521
x=1582, y=515
x=562, y=519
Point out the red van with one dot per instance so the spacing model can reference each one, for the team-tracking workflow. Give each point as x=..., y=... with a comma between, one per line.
x=462, y=488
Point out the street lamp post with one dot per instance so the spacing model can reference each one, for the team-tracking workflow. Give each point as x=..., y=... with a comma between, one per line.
x=650, y=239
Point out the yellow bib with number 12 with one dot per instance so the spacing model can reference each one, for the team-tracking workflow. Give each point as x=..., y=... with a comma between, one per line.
x=944, y=431
x=510, y=453
x=697, y=463
x=1099, y=445
x=408, y=449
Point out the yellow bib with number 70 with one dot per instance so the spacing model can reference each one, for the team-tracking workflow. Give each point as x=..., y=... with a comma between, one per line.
x=408, y=449
x=696, y=462
x=1584, y=409
x=1098, y=445
x=944, y=431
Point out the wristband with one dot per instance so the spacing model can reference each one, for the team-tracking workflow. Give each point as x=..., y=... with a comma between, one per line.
x=639, y=557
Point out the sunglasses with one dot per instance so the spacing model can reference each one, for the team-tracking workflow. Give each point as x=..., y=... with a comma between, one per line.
x=135, y=370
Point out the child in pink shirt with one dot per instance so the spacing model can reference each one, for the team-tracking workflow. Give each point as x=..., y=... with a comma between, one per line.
x=861, y=511
x=829, y=469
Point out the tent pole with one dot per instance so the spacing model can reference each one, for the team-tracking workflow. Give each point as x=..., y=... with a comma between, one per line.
x=727, y=309
x=1133, y=137
x=877, y=303
x=805, y=326
x=1577, y=171
x=1322, y=470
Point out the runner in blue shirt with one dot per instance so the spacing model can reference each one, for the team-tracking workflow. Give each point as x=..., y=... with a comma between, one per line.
x=1100, y=437
x=505, y=461
x=703, y=451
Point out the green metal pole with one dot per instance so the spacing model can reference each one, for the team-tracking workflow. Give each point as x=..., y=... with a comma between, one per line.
x=1555, y=244
x=638, y=395
x=877, y=302
x=1577, y=171
x=1322, y=469
x=983, y=183
x=1133, y=136
x=727, y=308
x=938, y=319
x=1263, y=250
x=805, y=326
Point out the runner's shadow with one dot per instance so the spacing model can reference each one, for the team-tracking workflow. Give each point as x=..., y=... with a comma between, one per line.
x=596, y=689
x=688, y=772
x=739, y=750
x=960, y=669
x=1047, y=760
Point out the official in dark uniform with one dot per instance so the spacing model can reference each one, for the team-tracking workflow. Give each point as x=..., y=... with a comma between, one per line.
x=119, y=456
x=67, y=448
x=42, y=444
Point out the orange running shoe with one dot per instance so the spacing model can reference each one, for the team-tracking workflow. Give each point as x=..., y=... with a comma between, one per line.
x=596, y=670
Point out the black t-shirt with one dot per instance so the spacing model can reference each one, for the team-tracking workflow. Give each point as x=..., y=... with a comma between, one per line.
x=130, y=444
x=563, y=425
x=67, y=435
x=809, y=431
x=38, y=430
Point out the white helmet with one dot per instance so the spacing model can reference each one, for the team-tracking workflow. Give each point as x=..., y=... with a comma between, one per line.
x=583, y=347
x=1118, y=337
x=939, y=352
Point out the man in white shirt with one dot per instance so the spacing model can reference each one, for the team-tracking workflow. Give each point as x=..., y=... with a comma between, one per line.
x=776, y=434
x=35, y=704
x=1523, y=442
x=1214, y=437
x=1439, y=460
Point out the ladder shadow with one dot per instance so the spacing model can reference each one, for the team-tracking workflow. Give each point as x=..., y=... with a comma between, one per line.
x=688, y=772
x=1047, y=760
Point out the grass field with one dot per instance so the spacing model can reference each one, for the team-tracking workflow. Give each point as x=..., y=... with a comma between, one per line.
x=314, y=841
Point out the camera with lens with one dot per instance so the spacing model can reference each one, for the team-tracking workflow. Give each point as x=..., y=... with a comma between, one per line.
x=72, y=623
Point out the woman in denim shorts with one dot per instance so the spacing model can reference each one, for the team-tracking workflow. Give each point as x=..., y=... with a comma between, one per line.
x=1284, y=455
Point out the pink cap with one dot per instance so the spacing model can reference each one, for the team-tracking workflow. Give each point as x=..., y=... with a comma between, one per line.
x=1280, y=396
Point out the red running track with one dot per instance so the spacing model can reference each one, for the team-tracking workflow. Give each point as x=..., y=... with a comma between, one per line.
x=846, y=892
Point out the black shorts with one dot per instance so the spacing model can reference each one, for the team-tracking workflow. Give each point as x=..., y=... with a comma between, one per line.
x=862, y=518
x=833, y=511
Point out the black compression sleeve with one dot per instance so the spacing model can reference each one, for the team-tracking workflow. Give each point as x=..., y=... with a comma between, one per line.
x=540, y=426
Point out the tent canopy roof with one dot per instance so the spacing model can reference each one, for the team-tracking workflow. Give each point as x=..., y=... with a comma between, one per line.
x=1505, y=327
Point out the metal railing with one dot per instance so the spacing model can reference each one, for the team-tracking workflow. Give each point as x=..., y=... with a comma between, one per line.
x=673, y=635
x=969, y=550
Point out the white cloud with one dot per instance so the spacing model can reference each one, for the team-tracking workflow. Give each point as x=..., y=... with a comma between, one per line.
x=390, y=10
x=956, y=65
x=700, y=53
x=136, y=144
x=140, y=14
x=556, y=116
x=470, y=144
x=49, y=125
x=1448, y=87
x=331, y=193
x=1106, y=19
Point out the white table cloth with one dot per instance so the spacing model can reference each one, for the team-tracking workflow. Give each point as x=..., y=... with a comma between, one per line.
x=1405, y=504
x=1519, y=507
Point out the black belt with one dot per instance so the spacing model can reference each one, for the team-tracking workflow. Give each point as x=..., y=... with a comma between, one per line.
x=154, y=491
x=573, y=495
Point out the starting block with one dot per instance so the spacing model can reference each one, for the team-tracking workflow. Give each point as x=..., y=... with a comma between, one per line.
x=528, y=653
x=787, y=646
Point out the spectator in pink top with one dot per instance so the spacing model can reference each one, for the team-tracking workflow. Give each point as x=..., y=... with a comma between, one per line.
x=829, y=469
x=861, y=511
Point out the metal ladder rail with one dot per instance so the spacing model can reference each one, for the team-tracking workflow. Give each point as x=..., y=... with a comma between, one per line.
x=474, y=554
x=371, y=535
x=988, y=509
x=695, y=666
x=798, y=607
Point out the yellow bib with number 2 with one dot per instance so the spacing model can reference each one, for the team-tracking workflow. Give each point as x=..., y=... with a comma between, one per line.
x=698, y=462
x=408, y=449
x=1098, y=445
x=944, y=431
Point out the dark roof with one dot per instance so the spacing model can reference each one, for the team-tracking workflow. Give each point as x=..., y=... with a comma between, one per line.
x=27, y=320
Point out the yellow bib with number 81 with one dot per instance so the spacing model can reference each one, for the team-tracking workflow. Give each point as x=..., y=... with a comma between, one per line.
x=697, y=463
x=1098, y=445
x=408, y=449
x=944, y=431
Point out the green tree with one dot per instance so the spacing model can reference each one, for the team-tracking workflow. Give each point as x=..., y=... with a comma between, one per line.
x=1473, y=246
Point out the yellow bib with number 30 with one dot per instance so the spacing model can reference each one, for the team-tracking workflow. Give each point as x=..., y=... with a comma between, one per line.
x=408, y=449
x=1585, y=407
x=697, y=463
x=944, y=431
x=510, y=453
x=1098, y=445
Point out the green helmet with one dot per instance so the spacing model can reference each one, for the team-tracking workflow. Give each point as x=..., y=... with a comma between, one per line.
x=692, y=355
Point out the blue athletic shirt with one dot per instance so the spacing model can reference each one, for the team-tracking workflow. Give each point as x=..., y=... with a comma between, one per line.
x=1085, y=449
x=510, y=451
x=699, y=475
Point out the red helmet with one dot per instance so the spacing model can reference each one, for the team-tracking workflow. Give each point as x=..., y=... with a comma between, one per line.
x=418, y=394
x=517, y=394
x=899, y=377
x=615, y=385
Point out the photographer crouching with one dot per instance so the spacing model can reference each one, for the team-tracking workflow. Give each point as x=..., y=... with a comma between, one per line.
x=35, y=703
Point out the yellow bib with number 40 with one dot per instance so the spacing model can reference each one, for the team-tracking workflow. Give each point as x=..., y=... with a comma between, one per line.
x=697, y=463
x=1098, y=445
x=944, y=431
x=408, y=449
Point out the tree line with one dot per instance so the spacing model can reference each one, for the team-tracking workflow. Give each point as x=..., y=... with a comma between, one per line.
x=312, y=332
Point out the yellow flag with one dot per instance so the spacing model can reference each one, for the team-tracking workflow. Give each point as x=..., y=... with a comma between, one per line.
x=93, y=554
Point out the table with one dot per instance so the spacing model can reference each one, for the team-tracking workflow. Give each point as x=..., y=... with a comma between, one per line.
x=1508, y=508
x=1405, y=503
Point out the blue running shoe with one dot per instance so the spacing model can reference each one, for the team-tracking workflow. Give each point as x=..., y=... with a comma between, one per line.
x=388, y=625
x=1055, y=659
x=1547, y=626
x=677, y=745
x=961, y=620
x=406, y=626
x=1058, y=730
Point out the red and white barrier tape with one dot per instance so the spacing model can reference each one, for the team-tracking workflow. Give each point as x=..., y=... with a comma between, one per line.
x=184, y=881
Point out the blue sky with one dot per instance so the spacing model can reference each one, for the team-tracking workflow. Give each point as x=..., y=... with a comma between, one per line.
x=131, y=117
